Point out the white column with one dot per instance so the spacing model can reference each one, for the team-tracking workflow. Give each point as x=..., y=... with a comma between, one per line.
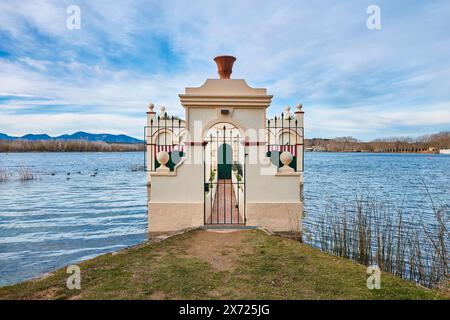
x=149, y=137
x=299, y=114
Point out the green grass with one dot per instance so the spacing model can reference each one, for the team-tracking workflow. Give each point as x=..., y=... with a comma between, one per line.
x=206, y=265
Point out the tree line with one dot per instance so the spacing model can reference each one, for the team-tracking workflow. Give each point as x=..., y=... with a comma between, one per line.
x=425, y=143
x=66, y=146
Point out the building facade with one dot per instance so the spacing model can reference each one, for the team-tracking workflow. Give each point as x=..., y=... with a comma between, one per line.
x=226, y=163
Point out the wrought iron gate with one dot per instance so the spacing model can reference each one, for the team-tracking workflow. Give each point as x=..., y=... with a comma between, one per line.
x=224, y=168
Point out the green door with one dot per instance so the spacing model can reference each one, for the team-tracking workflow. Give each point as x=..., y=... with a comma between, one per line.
x=225, y=161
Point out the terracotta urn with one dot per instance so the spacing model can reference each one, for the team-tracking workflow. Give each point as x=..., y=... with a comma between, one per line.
x=224, y=66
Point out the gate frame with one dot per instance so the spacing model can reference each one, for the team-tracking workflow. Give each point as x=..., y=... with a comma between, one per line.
x=244, y=176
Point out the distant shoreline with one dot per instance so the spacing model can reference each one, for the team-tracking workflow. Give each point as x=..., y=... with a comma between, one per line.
x=387, y=152
x=112, y=151
x=44, y=151
x=20, y=146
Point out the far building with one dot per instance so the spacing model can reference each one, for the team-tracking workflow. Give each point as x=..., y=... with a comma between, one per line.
x=226, y=164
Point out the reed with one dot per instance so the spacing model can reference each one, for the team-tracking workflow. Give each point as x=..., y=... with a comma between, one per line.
x=137, y=167
x=67, y=146
x=414, y=246
x=25, y=174
x=3, y=176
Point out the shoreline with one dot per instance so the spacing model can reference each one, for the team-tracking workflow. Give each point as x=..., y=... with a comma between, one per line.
x=126, y=151
x=200, y=264
x=46, y=151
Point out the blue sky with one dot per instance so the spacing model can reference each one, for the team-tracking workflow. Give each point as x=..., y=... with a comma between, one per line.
x=351, y=80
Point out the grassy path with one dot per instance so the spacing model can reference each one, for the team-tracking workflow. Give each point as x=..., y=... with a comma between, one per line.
x=211, y=265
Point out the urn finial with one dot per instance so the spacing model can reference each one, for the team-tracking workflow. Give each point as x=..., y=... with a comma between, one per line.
x=224, y=66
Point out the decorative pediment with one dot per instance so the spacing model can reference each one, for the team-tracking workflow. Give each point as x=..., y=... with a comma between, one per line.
x=225, y=92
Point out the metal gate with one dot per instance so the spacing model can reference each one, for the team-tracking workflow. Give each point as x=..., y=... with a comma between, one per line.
x=224, y=167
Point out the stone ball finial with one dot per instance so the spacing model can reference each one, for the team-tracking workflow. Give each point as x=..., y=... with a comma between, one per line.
x=151, y=106
x=163, y=157
x=287, y=112
x=162, y=112
x=286, y=158
x=299, y=107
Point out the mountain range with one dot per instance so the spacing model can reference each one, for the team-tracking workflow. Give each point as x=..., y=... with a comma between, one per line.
x=80, y=135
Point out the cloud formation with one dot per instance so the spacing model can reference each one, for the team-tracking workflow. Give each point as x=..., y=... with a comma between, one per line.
x=352, y=81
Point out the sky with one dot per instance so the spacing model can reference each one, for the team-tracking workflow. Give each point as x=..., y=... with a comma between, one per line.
x=352, y=81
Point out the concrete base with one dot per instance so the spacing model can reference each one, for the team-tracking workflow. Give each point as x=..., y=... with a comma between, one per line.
x=276, y=217
x=167, y=218
x=159, y=236
x=172, y=217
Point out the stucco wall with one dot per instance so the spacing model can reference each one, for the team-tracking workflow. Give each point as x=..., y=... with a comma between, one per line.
x=277, y=217
x=263, y=183
x=169, y=217
x=185, y=186
x=176, y=198
x=241, y=118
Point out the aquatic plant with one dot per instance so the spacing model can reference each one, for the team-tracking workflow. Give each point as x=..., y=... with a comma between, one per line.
x=25, y=174
x=137, y=167
x=3, y=176
x=414, y=246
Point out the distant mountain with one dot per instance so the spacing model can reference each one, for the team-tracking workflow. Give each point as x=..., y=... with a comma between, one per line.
x=80, y=135
x=111, y=138
x=6, y=137
x=35, y=137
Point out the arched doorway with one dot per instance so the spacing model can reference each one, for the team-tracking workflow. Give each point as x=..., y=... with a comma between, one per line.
x=225, y=161
x=224, y=167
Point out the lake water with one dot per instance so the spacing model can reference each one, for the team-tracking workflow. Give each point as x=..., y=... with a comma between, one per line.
x=69, y=213
x=394, y=180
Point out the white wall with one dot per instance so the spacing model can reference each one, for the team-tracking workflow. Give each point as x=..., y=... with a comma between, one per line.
x=183, y=186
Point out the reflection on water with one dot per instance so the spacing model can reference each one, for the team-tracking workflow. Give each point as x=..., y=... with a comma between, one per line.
x=71, y=214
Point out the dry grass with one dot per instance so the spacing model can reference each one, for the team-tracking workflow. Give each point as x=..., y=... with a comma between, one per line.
x=405, y=245
x=67, y=146
x=25, y=174
x=3, y=176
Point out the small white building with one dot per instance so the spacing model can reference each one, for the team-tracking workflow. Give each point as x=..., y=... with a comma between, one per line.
x=226, y=164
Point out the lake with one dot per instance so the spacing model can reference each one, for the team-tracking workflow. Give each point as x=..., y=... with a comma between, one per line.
x=85, y=204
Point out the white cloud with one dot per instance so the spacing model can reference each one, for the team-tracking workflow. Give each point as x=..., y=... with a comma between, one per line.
x=318, y=53
x=37, y=64
x=368, y=121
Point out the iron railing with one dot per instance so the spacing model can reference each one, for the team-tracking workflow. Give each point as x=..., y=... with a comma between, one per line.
x=277, y=128
x=163, y=125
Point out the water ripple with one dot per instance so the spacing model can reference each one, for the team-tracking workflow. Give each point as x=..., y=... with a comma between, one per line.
x=66, y=215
